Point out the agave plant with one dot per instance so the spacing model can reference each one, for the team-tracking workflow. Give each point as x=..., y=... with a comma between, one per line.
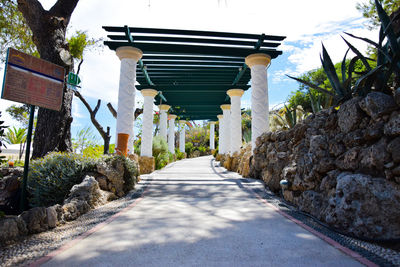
x=373, y=78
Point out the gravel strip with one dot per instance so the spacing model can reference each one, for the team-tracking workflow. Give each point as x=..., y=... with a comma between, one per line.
x=33, y=247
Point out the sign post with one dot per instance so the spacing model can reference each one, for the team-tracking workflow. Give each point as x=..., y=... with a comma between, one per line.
x=34, y=81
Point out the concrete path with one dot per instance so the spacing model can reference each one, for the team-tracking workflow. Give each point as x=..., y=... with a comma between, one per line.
x=195, y=214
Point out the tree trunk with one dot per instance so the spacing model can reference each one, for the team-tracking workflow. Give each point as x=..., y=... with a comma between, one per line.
x=53, y=128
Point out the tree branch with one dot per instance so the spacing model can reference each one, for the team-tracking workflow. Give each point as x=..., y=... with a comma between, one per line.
x=31, y=10
x=64, y=9
x=112, y=110
x=79, y=66
x=97, y=107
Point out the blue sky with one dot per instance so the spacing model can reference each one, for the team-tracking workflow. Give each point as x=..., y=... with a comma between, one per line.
x=305, y=23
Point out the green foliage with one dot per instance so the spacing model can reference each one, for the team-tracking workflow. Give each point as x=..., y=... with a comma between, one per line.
x=13, y=30
x=246, y=125
x=189, y=148
x=96, y=151
x=17, y=136
x=286, y=118
x=160, y=152
x=52, y=177
x=2, y=214
x=179, y=155
x=19, y=113
x=2, y=128
x=79, y=42
x=198, y=135
x=369, y=11
x=84, y=138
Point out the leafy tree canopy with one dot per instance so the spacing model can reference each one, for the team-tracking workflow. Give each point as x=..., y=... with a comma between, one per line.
x=14, y=31
x=368, y=10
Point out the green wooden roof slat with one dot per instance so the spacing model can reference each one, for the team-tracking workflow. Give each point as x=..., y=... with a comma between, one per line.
x=205, y=63
x=191, y=40
x=186, y=57
x=193, y=49
x=193, y=32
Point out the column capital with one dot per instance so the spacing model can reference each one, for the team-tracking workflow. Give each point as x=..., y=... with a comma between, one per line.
x=149, y=92
x=213, y=122
x=164, y=107
x=226, y=106
x=235, y=92
x=129, y=52
x=220, y=117
x=257, y=59
x=172, y=116
x=182, y=121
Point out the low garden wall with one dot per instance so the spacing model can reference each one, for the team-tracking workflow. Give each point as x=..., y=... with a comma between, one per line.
x=61, y=188
x=340, y=165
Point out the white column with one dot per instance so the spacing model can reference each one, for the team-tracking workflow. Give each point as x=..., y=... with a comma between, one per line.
x=182, y=136
x=163, y=120
x=236, y=119
x=212, y=135
x=259, y=95
x=221, y=134
x=146, y=149
x=171, y=134
x=226, y=110
x=129, y=56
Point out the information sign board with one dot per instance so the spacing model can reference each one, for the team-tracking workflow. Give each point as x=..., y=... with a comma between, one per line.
x=34, y=81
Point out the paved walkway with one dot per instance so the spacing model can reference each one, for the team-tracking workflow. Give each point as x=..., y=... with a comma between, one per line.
x=196, y=214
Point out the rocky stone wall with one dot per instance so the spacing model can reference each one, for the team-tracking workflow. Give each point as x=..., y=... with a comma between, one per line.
x=341, y=165
x=110, y=181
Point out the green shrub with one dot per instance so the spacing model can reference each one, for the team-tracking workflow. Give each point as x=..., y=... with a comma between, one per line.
x=202, y=150
x=52, y=177
x=97, y=151
x=189, y=148
x=179, y=155
x=160, y=152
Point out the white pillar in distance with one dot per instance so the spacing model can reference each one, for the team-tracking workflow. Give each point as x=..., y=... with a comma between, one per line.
x=221, y=134
x=226, y=110
x=129, y=56
x=182, y=124
x=171, y=134
x=146, y=149
x=163, y=120
x=259, y=95
x=236, y=120
x=212, y=135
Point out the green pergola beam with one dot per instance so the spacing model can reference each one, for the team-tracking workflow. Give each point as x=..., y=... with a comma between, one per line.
x=193, y=63
x=195, y=33
x=191, y=40
x=185, y=57
x=193, y=49
x=166, y=87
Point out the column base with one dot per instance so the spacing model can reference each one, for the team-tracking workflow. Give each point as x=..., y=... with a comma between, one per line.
x=146, y=165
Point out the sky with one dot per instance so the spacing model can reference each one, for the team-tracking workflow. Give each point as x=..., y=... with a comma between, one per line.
x=306, y=24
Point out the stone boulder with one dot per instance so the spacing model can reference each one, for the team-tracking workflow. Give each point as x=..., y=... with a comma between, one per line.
x=115, y=176
x=376, y=104
x=349, y=115
x=244, y=161
x=36, y=220
x=146, y=165
x=89, y=191
x=365, y=206
x=392, y=127
x=11, y=227
x=10, y=189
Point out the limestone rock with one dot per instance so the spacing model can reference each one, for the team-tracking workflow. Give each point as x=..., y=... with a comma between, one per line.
x=11, y=227
x=9, y=189
x=52, y=220
x=88, y=190
x=397, y=96
x=35, y=220
x=365, y=206
x=376, y=104
x=146, y=165
x=349, y=160
x=394, y=148
x=392, y=127
x=74, y=209
x=349, y=115
x=115, y=176
x=374, y=157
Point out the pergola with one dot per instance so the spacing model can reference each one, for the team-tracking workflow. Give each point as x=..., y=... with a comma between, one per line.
x=190, y=71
